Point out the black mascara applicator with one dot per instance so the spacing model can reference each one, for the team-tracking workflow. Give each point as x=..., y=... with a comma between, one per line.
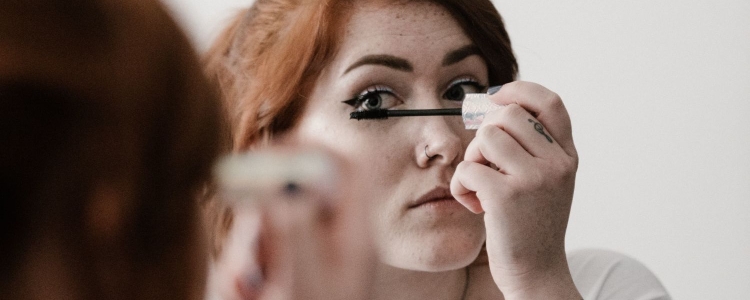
x=385, y=113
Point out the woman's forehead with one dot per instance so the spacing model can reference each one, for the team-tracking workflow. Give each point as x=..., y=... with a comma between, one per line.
x=418, y=29
x=415, y=18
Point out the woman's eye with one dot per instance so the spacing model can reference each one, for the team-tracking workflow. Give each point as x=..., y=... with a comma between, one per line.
x=374, y=98
x=371, y=101
x=459, y=88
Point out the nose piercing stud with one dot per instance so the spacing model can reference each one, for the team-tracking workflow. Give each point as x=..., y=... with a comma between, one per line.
x=425, y=152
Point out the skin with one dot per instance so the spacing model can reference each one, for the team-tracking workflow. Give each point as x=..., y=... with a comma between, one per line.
x=520, y=209
x=393, y=150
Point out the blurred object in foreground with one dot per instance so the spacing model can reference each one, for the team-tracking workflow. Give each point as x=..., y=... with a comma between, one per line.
x=293, y=209
x=253, y=178
x=108, y=130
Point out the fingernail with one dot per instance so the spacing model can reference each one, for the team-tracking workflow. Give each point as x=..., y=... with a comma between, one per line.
x=494, y=89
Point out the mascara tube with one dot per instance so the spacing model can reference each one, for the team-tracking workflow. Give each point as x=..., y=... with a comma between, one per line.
x=475, y=106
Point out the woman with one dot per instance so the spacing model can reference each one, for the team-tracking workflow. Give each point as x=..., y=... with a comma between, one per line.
x=108, y=131
x=439, y=192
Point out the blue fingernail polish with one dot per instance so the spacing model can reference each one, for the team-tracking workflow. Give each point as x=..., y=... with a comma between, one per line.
x=494, y=89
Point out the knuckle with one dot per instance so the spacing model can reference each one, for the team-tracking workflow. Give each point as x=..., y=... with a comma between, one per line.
x=564, y=169
x=485, y=131
x=555, y=101
x=460, y=169
x=572, y=163
x=513, y=110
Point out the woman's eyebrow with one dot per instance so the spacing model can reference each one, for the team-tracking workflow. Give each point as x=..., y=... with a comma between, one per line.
x=382, y=60
x=460, y=54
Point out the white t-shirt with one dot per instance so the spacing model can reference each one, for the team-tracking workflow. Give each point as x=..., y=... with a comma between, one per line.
x=607, y=275
x=598, y=275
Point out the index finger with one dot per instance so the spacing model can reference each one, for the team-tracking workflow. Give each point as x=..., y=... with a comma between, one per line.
x=545, y=105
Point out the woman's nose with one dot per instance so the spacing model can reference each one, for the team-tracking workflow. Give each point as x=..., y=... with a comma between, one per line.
x=441, y=141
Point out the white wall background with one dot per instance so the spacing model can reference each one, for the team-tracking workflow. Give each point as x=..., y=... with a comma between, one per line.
x=659, y=95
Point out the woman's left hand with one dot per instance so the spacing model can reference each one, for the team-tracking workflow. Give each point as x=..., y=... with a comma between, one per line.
x=520, y=171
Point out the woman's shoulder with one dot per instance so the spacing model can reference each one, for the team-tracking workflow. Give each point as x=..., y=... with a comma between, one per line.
x=605, y=274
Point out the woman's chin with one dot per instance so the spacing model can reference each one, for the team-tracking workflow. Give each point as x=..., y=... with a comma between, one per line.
x=437, y=257
x=430, y=243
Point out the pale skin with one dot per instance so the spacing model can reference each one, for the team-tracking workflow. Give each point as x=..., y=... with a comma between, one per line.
x=407, y=54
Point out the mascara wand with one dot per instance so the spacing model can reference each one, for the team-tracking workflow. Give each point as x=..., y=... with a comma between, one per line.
x=385, y=114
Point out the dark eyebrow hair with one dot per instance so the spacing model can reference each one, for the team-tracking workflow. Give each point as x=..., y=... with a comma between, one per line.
x=382, y=60
x=460, y=54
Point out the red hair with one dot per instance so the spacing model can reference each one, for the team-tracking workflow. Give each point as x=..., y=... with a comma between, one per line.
x=266, y=61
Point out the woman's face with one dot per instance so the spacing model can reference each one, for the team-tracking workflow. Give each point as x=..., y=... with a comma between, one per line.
x=403, y=56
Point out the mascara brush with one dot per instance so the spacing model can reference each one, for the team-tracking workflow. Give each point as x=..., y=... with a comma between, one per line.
x=475, y=106
x=385, y=114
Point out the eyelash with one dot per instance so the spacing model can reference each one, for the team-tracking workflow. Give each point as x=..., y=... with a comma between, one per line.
x=466, y=80
x=360, y=98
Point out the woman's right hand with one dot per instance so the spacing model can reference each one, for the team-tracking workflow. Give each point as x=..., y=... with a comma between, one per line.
x=520, y=171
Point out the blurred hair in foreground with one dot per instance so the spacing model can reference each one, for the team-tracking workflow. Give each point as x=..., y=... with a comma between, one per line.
x=108, y=130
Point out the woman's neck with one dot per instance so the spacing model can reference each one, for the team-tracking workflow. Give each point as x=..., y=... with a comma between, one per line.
x=481, y=283
x=395, y=283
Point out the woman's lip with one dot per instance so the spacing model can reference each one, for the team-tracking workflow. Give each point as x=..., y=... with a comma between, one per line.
x=436, y=194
